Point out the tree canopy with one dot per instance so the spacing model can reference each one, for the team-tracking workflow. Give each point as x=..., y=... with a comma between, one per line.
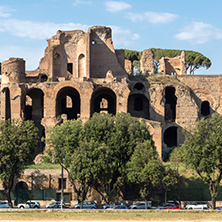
x=96, y=154
x=145, y=169
x=193, y=60
x=18, y=142
x=202, y=151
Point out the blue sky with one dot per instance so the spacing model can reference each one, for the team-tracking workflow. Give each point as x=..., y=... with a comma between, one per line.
x=196, y=25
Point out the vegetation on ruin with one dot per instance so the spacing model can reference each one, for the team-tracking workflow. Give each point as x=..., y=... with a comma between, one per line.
x=202, y=151
x=193, y=60
x=18, y=141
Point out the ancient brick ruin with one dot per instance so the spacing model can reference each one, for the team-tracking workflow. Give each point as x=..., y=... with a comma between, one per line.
x=81, y=74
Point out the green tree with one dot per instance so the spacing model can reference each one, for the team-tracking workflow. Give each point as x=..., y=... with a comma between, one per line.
x=145, y=169
x=193, y=60
x=18, y=142
x=121, y=134
x=202, y=151
x=63, y=140
x=88, y=162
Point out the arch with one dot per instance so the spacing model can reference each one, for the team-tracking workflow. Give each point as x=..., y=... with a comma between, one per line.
x=205, y=108
x=170, y=136
x=170, y=104
x=7, y=103
x=34, y=105
x=68, y=103
x=81, y=65
x=139, y=86
x=43, y=78
x=138, y=106
x=103, y=100
x=21, y=192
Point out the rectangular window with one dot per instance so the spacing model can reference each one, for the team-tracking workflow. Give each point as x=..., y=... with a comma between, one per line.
x=60, y=183
x=70, y=67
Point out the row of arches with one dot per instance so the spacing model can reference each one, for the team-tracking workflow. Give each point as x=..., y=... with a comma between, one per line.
x=103, y=100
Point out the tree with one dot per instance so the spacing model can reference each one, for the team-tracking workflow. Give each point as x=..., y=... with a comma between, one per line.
x=145, y=169
x=202, y=151
x=134, y=56
x=96, y=153
x=89, y=160
x=63, y=140
x=18, y=142
x=193, y=60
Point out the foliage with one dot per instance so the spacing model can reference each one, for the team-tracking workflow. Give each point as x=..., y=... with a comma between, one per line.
x=121, y=134
x=63, y=140
x=144, y=168
x=132, y=55
x=202, y=151
x=193, y=60
x=96, y=153
x=18, y=141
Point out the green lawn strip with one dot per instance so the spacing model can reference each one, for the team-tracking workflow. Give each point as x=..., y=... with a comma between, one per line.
x=110, y=215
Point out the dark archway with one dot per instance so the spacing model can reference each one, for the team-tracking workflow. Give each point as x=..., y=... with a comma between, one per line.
x=21, y=192
x=7, y=103
x=170, y=136
x=43, y=78
x=205, y=108
x=138, y=106
x=34, y=108
x=170, y=104
x=68, y=102
x=103, y=101
x=139, y=86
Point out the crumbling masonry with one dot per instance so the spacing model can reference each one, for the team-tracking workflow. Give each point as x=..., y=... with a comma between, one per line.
x=81, y=74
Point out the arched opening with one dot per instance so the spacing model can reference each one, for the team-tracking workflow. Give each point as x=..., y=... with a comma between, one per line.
x=170, y=104
x=139, y=86
x=170, y=136
x=68, y=103
x=81, y=66
x=34, y=110
x=6, y=92
x=103, y=101
x=43, y=78
x=34, y=100
x=138, y=106
x=205, y=108
x=21, y=192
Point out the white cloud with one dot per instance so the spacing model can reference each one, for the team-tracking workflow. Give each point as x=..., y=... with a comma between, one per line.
x=113, y=6
x=4, y=12
x=79, y=2
x=152, y=17
x=123, y=38
x=32, y=56
x=199, y=32
x=36, y=30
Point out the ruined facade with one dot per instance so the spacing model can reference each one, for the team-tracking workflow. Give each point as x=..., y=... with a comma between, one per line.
x=81, y=74
x=175, y=66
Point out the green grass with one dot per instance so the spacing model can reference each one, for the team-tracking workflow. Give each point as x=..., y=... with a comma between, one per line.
x=110, y=215
x=44, y=166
